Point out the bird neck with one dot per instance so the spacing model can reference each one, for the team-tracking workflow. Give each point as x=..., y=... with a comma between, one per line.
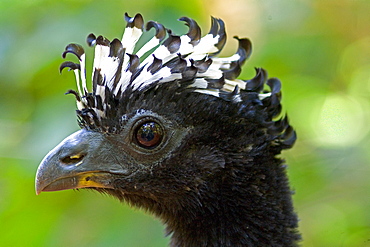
x=209, y=226
x=251, y=207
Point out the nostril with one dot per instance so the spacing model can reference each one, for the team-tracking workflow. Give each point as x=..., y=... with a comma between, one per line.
x=72, y=159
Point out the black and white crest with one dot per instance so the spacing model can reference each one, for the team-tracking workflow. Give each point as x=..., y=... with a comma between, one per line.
x=189, y=60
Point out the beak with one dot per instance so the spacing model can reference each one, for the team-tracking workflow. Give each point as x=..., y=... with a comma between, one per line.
x=84, y=159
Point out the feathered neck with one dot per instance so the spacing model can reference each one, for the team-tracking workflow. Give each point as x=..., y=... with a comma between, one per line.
x=247, y=204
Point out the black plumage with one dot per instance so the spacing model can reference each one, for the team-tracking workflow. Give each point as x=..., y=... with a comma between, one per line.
x=171, y=130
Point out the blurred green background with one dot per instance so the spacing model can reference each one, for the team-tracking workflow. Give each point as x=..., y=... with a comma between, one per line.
x=320, y=49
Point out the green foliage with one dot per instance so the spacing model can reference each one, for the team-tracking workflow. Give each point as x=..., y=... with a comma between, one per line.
x=319, y=49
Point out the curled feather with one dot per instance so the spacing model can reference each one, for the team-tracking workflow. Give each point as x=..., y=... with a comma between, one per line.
x=136, y=21
x=194, y=30
x=75, y=49
x=160, y=31
x=70, y=65
x=91, y=40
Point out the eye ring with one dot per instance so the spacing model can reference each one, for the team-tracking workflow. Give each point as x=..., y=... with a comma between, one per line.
x=149, y=134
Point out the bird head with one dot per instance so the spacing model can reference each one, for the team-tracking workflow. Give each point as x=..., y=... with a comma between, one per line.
x=165, y=121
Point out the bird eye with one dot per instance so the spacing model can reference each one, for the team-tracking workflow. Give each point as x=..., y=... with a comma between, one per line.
x=149, y=134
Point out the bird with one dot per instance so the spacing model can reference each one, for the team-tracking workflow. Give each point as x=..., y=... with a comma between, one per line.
x=168, y=127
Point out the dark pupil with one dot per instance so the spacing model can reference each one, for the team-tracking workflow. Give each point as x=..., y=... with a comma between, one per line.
x=149, y=134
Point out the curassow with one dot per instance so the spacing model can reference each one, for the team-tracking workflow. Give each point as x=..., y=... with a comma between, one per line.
x=168, y=128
